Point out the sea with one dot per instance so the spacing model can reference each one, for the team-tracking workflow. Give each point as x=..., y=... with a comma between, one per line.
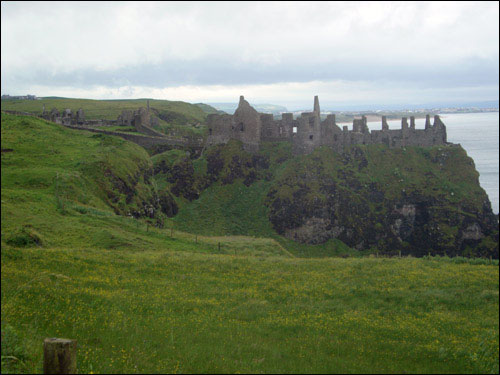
x=479, y=136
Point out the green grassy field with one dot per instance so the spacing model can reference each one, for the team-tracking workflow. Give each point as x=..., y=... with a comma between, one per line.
x=104, y=109
x=187, y=299
x=174, y=117
x=174, y=311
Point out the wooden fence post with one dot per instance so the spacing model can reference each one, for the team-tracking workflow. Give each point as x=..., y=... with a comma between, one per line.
x=59, y=356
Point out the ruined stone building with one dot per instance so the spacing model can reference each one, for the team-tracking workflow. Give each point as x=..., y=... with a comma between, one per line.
x=307, y=131
x=140, y=119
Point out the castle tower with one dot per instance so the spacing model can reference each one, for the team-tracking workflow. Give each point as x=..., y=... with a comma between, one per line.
x=404, y=123
x=316, y=106
x=247, y=124
x=427, y=122
x=437, y=121
x=385, y=125
x=440, y=130
x=412, y=122
x=364, y=124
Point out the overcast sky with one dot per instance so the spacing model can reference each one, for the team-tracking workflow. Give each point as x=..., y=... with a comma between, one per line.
x=388, y=53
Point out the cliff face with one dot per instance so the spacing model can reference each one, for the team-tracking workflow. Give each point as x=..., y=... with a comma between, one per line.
x=413, y=200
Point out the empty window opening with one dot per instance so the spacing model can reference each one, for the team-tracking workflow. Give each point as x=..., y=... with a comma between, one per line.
x=242, y=127
x=281, y=130
x=210, y=131
x=294, y=130
x=311, y=137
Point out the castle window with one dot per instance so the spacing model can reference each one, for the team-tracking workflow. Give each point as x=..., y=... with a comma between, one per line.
x=241, y=126
x=335, y=137
x=311, y=137
x=294, y=129
x=210, y=131
x=311, y=121
x=281, y=130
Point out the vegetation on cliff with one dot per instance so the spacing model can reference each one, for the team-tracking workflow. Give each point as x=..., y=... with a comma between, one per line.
x=374, y=199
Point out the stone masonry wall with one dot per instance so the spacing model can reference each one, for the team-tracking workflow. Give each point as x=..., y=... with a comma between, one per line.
x=308, y=132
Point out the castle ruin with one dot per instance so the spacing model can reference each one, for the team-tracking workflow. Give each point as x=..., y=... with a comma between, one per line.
x=308, y=132
x=140, y=119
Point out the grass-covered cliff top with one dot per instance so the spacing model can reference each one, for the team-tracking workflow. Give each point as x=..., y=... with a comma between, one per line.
x=108, y=109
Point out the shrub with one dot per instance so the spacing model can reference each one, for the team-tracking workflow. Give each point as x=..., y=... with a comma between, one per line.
x=25, y=237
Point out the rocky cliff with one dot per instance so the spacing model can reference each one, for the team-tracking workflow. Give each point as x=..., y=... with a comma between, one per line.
x=415, y=200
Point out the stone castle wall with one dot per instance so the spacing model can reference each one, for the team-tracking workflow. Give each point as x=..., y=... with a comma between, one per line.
x=308, y=132
x=245, y=125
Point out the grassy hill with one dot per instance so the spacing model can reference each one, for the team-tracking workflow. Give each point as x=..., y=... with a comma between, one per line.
x=104, y=109
x=174, y=117
x=197, y=295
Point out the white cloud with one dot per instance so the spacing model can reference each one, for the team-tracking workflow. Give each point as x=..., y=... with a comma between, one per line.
x=66, y=37
x=102, y=36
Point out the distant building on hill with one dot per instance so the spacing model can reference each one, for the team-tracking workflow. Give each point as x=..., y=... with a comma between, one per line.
x=26, y=97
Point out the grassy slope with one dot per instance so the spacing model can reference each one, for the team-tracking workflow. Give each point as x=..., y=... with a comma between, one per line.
x=54, y=184
x=103, y=109
x=180, y=116
x=139, y=300
x=237, y=209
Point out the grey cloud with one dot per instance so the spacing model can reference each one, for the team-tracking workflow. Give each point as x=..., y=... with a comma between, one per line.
x=471, y=72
